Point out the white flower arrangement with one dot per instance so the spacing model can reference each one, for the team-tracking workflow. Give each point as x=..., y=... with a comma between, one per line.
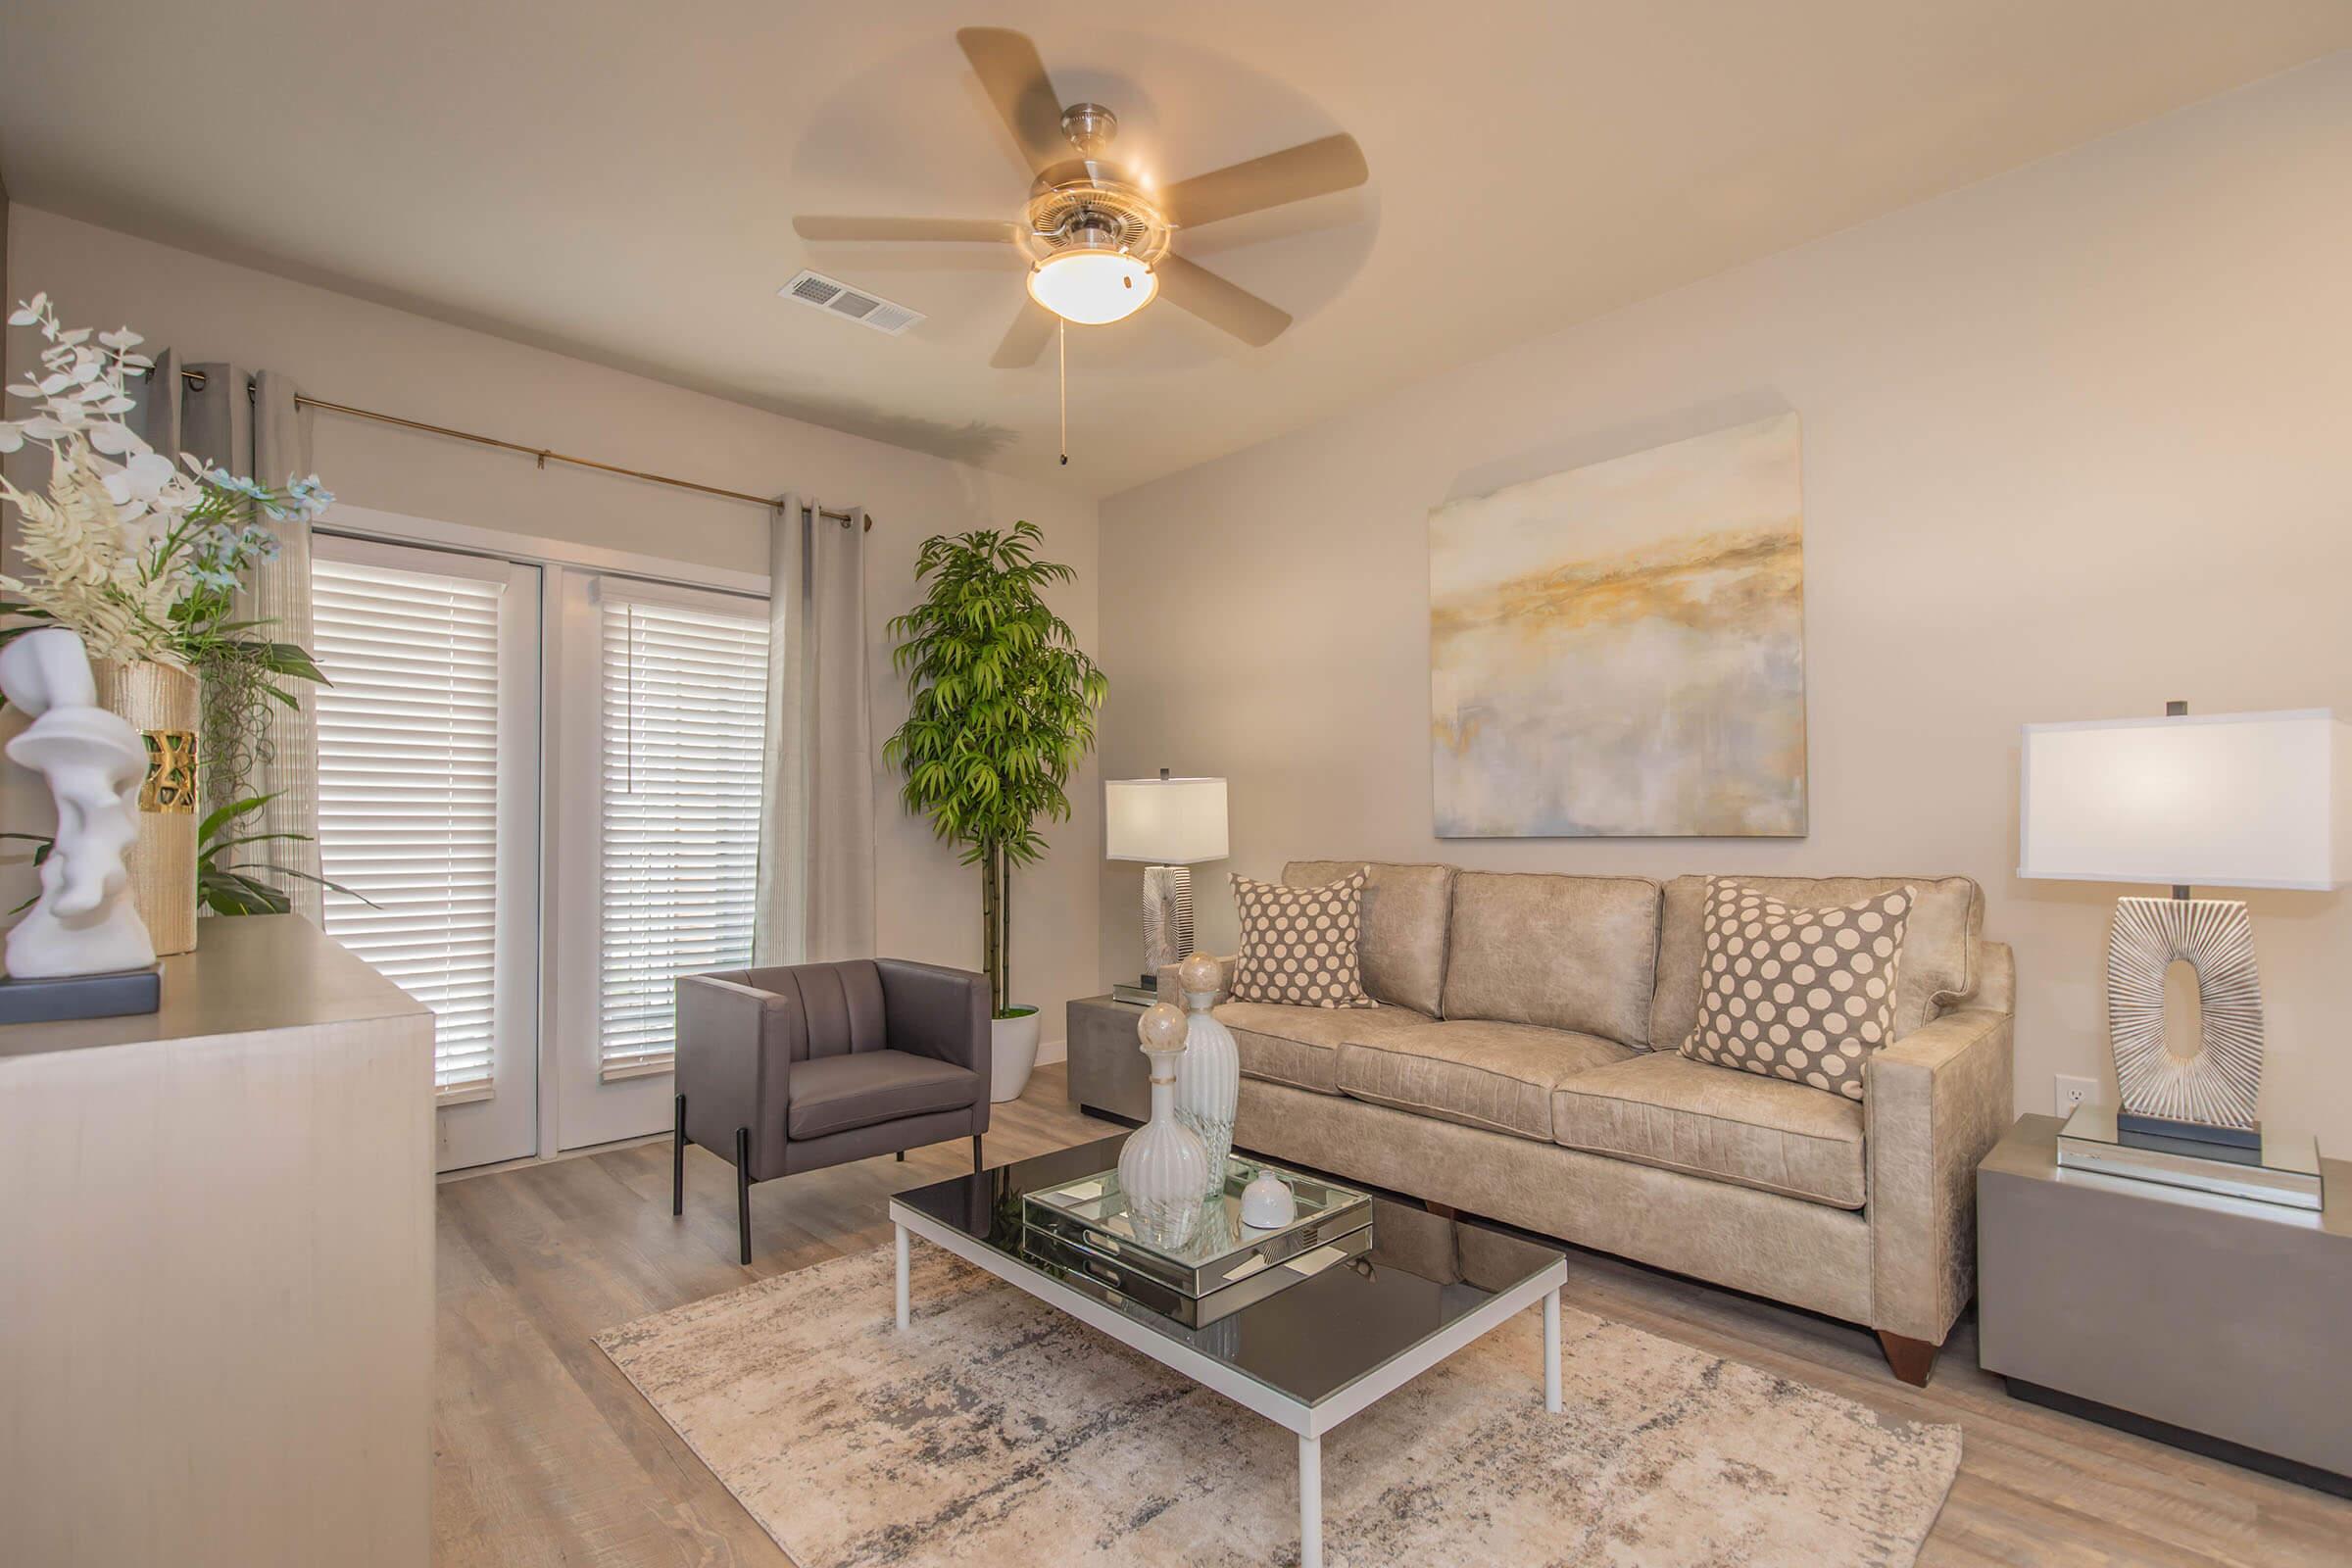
x=138, y=557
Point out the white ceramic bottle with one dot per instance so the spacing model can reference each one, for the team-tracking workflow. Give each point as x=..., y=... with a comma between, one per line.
x=1162, y=1167
x=1209, y=1080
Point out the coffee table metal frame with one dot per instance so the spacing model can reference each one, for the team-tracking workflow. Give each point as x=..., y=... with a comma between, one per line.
x=1308, y=1420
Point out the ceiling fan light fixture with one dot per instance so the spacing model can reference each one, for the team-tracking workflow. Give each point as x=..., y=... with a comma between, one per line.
x=1093, y=287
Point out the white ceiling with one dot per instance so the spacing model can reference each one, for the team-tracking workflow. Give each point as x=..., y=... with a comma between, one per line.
x=617, y=181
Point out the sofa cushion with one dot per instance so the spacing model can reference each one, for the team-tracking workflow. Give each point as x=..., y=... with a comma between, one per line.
x=1572, y=953
x=1664, y=1110
x=1940, y=943
x=1804, y=995
x=857, y=1089
x=1298, y=945
x=1300, y=1046
x=1476, y=1071
x=1406, y=908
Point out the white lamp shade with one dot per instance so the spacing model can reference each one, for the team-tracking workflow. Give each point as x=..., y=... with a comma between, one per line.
x=2213, y=800
x=1166, y=821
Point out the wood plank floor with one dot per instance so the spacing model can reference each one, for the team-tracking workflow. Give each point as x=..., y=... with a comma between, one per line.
x=545, y=1454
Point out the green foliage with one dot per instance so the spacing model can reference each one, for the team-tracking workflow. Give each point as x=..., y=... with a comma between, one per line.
x=222, y=889
x=1002, y=707
x=238, y=889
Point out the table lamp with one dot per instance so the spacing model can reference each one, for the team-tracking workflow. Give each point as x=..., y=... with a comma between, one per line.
x=1171, y=825
x=2229, y=800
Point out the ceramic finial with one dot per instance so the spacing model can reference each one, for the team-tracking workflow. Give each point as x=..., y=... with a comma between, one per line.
x=1198, y=975
x=1162, y=1028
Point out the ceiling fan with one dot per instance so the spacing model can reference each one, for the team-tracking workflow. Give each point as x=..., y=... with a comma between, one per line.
x=1097, y=237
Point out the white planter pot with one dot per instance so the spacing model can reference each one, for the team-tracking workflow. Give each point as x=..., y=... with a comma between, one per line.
x=1013, y=1054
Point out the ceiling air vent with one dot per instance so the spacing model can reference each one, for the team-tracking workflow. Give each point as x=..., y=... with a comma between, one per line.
x=837, y=298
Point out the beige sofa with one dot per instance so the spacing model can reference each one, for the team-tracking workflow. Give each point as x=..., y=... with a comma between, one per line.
x=1522, y=1064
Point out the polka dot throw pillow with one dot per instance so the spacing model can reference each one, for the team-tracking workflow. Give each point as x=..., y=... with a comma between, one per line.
x=1298, y=945
x=1804, y=995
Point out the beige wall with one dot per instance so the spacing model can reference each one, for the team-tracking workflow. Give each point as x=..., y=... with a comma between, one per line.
x=349, y=351
x=2077, y=441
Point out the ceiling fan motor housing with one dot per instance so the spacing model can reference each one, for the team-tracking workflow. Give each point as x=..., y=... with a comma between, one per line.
x=1087, y=205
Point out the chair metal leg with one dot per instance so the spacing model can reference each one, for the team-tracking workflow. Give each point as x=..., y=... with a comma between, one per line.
x=742, y=1191
x=976, y=1161
x=678, y=1161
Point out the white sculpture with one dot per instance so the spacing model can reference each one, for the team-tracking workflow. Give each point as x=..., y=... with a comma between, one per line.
x=94, y=762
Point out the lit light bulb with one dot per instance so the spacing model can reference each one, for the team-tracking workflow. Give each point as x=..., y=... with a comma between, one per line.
x=1092, y=288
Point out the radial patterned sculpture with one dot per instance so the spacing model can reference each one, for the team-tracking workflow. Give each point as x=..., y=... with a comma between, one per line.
x=2222, y=1083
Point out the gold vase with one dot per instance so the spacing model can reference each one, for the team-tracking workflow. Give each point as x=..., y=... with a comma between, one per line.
x=165, y=705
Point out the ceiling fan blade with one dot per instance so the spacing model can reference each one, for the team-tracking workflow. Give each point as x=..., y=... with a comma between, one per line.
x=1025, y=339
x=1310, y=169
x=1015, y=78
x=972, y=229
x=1223, y=305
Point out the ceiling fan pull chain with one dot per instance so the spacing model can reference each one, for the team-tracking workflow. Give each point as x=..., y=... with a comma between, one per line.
x=1061, y=336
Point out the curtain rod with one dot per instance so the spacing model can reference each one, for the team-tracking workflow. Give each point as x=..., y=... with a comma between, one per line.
x=544, y=454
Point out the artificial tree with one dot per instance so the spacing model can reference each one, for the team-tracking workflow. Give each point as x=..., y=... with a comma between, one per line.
x=1002, y=705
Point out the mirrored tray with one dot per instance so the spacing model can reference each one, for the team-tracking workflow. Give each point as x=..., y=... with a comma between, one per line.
x=1091, y=1212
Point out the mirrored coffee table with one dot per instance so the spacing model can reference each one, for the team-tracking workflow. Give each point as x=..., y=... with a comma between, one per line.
x=1305, y=1358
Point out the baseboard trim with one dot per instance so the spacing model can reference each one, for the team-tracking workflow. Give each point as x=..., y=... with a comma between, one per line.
x=2163, y=1431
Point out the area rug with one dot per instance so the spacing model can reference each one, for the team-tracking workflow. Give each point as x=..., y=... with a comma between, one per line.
x=998, y=1434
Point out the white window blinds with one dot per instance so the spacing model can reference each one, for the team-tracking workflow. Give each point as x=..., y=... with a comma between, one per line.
x=684, y=700
x=408, y=793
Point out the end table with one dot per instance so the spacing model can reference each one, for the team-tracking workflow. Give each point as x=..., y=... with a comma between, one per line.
x=2212, y=1323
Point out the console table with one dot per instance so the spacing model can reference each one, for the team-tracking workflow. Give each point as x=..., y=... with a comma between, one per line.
x=216, y=1305
x=2213, y=1323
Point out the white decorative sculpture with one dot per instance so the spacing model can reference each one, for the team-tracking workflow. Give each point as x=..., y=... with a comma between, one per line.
x=94, y=762
x=1209, y=1078
x=1162, y=1167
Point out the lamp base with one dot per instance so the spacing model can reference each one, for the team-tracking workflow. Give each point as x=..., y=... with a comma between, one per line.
x=2213, y=1091
x=1167, y=917
x=2193, y=1132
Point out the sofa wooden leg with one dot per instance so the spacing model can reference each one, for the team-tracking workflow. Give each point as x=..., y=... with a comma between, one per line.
x=678, y=1161
x=976, y=1164
x=1911, y=1360
x=742, y=1192
x=1442, y=1211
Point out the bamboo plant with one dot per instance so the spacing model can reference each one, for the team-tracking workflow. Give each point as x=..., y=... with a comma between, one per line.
x=1002, y=707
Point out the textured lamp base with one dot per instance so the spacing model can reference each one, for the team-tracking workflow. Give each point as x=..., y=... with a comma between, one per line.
x=2211, y=1095
x=1167, y=917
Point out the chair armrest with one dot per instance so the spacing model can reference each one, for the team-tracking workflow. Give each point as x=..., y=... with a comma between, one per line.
x=935, y=1011
x=735, y=1049
x=1933, y=1102
x=1171, y=991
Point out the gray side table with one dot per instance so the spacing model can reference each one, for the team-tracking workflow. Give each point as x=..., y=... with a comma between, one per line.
x=2215, y=1324
x=1108, y=1072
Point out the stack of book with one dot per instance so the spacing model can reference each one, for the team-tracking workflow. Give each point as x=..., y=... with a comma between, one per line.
x=2283, y=1168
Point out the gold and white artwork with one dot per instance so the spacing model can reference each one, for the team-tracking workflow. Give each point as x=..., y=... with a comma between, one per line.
x=1618, y=651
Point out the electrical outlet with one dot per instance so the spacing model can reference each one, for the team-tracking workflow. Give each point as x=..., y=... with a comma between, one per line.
x=2074, y=1092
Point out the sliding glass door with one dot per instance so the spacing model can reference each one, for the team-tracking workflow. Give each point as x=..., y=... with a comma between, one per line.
x=428, y=807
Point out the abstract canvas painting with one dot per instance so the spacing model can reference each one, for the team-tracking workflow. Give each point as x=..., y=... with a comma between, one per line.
x=1618, y=651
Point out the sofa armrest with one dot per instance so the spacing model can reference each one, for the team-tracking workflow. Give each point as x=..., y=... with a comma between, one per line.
x=735, y=1049
x=934, y=1012
x=1935, y=1102
x=1171, y=991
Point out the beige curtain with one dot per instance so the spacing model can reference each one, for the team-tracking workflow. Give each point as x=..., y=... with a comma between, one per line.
x=249, y=425
x=816, y=823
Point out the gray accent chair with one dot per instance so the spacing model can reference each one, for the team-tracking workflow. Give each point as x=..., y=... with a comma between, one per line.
x=796, y=1067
